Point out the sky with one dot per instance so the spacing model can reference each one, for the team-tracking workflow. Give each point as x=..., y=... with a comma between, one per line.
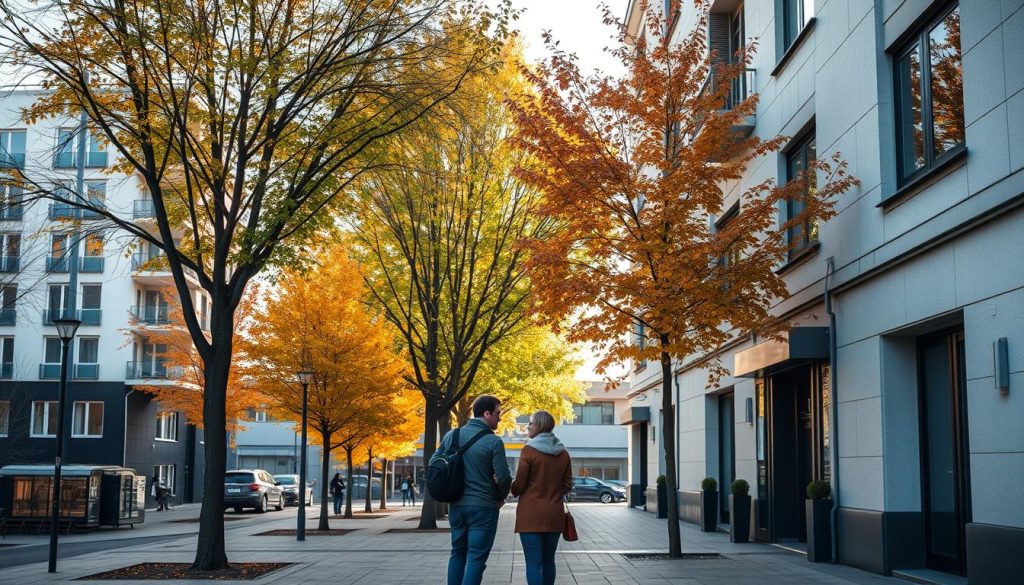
x=576, y=24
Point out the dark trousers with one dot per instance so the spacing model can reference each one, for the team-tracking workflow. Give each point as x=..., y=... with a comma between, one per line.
x=539, y=549
x=337, y=503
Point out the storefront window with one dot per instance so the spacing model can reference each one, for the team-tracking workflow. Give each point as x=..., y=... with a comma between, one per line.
x=826, y=426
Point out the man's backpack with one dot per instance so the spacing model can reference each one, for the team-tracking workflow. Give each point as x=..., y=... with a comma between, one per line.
x=445, y=476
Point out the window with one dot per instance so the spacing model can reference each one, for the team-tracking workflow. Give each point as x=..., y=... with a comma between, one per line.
x=56, y=303
x=594, y=413
x=165, y=474
x=10, y=201
x=96, y=192
x=167, y=426
x=731, y=256
x=12, y=149
x=6, y=358
x=67, y=150
x=87, y=419
x=91, y=296
x=52, y=350
x=5, y=417
x=44, y=418
x=10, y=248
x=59, y=245
x=88, y=350
x=929, y=97
x=795, y=16
x=798, y=161
x=92, y=258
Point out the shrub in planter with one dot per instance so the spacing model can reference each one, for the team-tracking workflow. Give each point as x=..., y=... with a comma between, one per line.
x=739, y=508
x=662, y=496
x=819, y=521
x=709, y=505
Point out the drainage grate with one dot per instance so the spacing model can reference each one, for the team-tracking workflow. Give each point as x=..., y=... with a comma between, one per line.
x=665, y=557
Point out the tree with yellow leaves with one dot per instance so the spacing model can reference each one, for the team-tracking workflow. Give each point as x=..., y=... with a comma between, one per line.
x=317, y=319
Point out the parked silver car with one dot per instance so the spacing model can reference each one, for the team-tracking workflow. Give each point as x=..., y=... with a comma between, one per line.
x=289, y=483
x=252, y=488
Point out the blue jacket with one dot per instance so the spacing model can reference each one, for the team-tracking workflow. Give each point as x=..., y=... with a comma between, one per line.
x=488, y=478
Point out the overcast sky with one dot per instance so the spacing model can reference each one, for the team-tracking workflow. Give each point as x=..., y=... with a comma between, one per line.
x=575, y=23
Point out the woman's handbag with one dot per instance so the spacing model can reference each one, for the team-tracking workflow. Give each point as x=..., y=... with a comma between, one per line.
x=569, y=531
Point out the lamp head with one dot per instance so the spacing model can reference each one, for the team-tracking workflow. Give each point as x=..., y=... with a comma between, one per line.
x=66, y=328
x=305, y=375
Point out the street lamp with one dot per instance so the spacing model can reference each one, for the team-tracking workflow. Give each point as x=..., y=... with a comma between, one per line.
x=66, y=329
x=305, y=376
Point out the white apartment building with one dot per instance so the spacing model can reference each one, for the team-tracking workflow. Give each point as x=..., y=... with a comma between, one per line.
x=57, y=259
x=901, y=379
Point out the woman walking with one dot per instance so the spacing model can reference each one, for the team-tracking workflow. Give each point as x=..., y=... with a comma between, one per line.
x=543, y=478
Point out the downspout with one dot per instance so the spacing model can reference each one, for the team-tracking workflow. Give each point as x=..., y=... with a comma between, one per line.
x=833, y=452
x=124, y=433
x=678, y=407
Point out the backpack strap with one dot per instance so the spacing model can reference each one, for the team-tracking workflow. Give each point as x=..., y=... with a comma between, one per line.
x=471, y=441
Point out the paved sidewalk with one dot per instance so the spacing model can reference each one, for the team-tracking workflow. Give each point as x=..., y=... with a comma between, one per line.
x=369, y=556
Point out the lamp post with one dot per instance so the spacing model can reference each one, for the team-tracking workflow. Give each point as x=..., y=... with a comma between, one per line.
x=305, y=376
x=66, y=329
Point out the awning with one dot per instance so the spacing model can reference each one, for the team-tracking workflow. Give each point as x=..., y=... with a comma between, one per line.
x=635, y=415
x=801, y=343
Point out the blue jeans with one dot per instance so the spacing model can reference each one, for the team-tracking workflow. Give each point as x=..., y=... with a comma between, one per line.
x=473, y=529
x=337, y=503
x=539, y=549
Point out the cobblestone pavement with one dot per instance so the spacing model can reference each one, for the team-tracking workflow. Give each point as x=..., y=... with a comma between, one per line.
x=371, y=556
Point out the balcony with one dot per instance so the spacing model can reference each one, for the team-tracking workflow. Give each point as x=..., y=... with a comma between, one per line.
x=68, y=159
x=6, y=370
x=8, y=317
x=155, y=369
x=152, y=270
x=11, y=212
x=741, y=88
x=90, y=316
x=151, y=314
x=91, y=264
x=12, y=160
x=10, y=263
x=143, y=209
x=60, y=211
x=87, y=371
x=49, y=371
x=57, y=264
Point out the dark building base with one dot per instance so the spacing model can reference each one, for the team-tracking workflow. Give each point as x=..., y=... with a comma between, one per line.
x=994, y=554
x=880, y=541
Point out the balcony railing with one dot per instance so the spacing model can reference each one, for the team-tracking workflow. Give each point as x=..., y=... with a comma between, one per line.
x=8, y=317
x=10, y=263
x=56, y=264
x=91, y=264
x=152, y=370
x=63, y=211
x=49, y=371
x=156, y=263
x=87, y=371
x=11, y=212
x=151, y=314
x=69, y=159
x=6, y=370
x=740, y=89
x=143, y=208
x=12, y=160
x=90, y=316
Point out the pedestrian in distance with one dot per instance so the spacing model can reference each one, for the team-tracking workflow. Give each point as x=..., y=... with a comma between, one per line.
x=473, y=517
x=337, y=492
x=405, y=490
x=543, y=478
x=154, y=490
x=412, y=490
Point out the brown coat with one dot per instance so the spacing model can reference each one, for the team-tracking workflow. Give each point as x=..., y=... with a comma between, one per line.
x=541, y=481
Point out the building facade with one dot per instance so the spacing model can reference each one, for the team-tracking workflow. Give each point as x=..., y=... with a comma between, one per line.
x=59, y=260
x=901, y=379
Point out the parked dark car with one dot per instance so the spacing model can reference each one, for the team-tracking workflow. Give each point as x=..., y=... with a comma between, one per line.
x=589, y=489
x=251, y=488
x=290, y=486
x=616, y=483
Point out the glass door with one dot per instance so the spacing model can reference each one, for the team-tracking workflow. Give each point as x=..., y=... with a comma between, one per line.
x=726, y=451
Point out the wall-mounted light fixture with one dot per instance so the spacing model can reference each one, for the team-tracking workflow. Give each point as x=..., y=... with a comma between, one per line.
x=748, y=412
x=1001, y=355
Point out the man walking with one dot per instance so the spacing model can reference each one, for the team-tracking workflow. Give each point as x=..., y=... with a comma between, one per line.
x=474, y=517
x=405, y=491
x=337, y=491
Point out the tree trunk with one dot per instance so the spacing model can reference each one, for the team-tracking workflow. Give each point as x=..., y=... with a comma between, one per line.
x=428, y=515
x=369, y=481
x=325, y=465
x=444, y=424
x=211, y=554
x=675, y=549
x=348, y=473
x=384, y=485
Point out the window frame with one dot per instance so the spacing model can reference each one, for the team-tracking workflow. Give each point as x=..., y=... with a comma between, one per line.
x=919, y=40
x=162, y=471
x=799, y=149
x=46, y=418
x=5, y=418
x=88, y=408
x=166, y=424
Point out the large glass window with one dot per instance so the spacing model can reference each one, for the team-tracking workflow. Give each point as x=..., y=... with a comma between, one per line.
x=88, y=350
x=10, y=252
x=929, y=91
x=44, y=418
x=167, y=426
x=67, y=149
x=798, y=167
x=57, y=299
x=594, y=413
x=795, y=16
x=87, y=419
x=12, y=148
x=165, y=474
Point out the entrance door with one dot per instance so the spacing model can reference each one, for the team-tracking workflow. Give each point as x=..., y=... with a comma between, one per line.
x=792, y=453
x=726, y=451
x=944, y=453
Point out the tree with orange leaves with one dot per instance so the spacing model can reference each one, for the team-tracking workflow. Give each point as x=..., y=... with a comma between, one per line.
x=631, y=169
x=317, y=319
x=397, y=438
x=163, y=325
